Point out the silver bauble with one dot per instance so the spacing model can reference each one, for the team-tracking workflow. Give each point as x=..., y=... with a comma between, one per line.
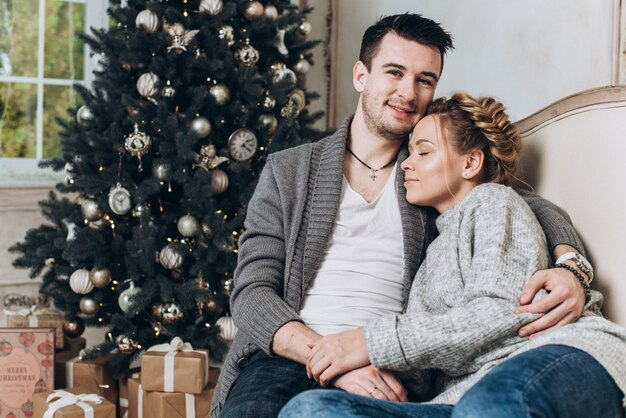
x=228, y=329
x=85, y=117
x=212, y=7
x=268, y=102
x=253, y=10
x=188, y=226
x=170, y=313
x=79, y=282
x=220, y=93
x=147, y=85
x=161, y=171
x=169, y=92
x=201, y=126
x=247, y=55
x=271, y=12
x=284, y=75
x=148, y=20
x=267, y=124
x=126, y=344
x=219, y=181
x=302, y=66
x=88, y=306
x=90, y=210
x=227, y=286
x=304, y=27
x=170, y=257
x=127, y=299
x=100, y=277
x=227, y=33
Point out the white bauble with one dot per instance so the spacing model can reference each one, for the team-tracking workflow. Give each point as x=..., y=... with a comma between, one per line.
x=80, y=283
x=212, y=7
x=147, y=84
x=148, y=20
x=228, y=329
x=170, y=258
x=219, y=181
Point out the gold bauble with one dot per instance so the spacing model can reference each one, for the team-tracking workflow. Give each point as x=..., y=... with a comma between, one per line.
x=100, y=277
x=74, y=328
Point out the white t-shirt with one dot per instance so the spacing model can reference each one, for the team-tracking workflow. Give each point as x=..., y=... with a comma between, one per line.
x=360, y=277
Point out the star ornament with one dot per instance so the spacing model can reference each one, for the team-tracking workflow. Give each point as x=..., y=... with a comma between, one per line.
x=208, y=158
x=180, y=37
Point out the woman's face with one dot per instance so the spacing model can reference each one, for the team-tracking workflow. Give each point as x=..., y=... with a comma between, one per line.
x=433, y=171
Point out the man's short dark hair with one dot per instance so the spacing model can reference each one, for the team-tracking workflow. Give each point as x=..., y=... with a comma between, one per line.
x=410, y=26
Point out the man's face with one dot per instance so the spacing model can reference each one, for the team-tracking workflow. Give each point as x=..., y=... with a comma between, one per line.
x=399, y=86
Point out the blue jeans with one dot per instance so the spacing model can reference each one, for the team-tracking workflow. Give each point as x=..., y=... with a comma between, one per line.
x=264, y=386
x=549, y=381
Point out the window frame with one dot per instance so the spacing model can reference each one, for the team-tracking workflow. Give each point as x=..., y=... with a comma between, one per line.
x=25, y=171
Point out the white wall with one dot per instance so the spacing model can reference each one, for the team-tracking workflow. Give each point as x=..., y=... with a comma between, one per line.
x=527, y=53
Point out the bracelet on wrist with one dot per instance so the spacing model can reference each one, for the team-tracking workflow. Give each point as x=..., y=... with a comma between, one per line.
x=580, y=278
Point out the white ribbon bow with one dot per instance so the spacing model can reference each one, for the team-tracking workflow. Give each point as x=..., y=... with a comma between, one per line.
x=64, y=399
x=174, y=346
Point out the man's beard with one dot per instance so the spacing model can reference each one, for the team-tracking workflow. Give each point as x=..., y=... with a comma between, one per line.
x=377, y=125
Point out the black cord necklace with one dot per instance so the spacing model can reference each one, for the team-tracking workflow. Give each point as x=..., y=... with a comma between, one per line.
x=374, y=170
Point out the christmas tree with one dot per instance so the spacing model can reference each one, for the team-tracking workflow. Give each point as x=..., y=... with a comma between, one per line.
x=161, y=158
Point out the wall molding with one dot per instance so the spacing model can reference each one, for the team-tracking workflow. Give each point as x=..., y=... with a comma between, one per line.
x=619, y=76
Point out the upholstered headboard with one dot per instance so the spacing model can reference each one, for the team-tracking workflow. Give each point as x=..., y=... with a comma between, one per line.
x=575, y=155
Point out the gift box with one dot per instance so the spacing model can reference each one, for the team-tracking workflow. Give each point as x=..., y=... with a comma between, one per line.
x=71, y=403
x=71, y=351
x=37, y=317
x=145, y=404
x=175, y=367
x=123, y=393
x=96, y=376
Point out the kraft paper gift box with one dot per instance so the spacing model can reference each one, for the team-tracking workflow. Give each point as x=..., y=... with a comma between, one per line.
x=71, y=351
x=37, y=317
x=145, y=404
x=71, y=403
x=175, y=367
x=96, y=376
x=123, y=393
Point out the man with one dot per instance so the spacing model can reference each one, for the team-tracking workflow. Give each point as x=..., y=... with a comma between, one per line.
x=331, y=243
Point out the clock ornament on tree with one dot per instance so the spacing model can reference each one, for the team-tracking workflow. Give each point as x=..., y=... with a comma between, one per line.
x=242, y=144
x=119, y=200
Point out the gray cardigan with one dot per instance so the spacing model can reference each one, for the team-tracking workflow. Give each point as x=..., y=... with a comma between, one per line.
x=289, y=222
x=459, y=319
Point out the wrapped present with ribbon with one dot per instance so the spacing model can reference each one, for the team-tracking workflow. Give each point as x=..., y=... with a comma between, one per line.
x=37, y=317
x=123, y=392
x=175, y=367
x=71, y=403
x=71, y=351
x=93, y=375
x=145, y=404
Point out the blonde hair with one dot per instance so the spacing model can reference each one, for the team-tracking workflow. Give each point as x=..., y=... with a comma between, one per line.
x=481, y=124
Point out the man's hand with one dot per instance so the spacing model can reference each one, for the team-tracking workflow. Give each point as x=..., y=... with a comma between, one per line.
x=337, y=354
x=292, y=341
x=563, y=304
x=372, y=382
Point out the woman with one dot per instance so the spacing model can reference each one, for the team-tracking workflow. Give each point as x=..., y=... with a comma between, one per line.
x=450, y=345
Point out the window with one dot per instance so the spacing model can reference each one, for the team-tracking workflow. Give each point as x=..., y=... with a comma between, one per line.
x=40, y=59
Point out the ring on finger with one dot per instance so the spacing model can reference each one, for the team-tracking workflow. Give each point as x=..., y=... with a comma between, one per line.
x=373, y=389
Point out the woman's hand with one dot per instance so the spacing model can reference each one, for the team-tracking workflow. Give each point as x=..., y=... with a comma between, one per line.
x=372, y=382
x=563, y=304
x=337, y=354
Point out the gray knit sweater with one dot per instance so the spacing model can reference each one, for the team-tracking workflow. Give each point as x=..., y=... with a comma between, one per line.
x=289, y=222
x=459, y=319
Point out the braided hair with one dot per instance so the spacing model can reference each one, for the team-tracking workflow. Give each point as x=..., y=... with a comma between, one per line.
x=481, y=124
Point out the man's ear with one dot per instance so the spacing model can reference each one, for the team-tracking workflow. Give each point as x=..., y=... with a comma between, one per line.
x=359, y=76
x=473, y=164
